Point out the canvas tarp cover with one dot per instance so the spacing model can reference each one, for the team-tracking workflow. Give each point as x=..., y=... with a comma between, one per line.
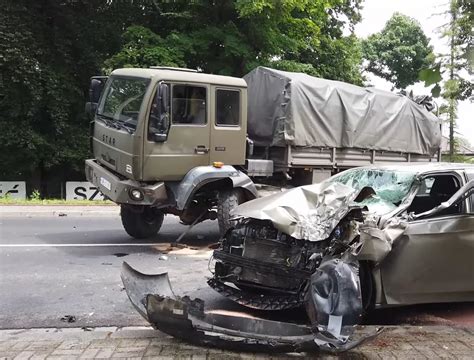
x=300, y=110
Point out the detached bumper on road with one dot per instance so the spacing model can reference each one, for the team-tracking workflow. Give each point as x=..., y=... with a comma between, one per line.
x=187, y=319
x=118, y=190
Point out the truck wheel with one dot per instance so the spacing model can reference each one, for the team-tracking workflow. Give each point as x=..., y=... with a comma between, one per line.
x=227, y=201
x=141, y=224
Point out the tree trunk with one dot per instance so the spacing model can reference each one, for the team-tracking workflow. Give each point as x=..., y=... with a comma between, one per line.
x=452, y=99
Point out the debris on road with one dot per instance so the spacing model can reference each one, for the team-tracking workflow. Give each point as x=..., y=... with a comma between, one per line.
x=188, y=319
x=68, y=318
x=120, y=254
x=163, y=257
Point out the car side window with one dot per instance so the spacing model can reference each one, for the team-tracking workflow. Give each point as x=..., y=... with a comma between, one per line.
x=188, y=105
x=470, y=176
x=227, y=107
x=434, y=190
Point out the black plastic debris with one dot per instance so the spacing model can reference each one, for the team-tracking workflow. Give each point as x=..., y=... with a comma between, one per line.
x=68, y=318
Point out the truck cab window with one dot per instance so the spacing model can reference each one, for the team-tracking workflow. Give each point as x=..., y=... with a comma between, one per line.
x=227, y=107
x=188, y=105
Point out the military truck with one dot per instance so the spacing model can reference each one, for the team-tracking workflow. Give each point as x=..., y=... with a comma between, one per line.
x=176, y=141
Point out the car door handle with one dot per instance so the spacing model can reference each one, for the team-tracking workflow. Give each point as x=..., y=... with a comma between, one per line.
x=201, y=149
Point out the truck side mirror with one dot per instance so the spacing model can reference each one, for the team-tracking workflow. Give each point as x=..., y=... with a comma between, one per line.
x=164, y=95
x=95, y=90
x=158, y=122
x=160, y=137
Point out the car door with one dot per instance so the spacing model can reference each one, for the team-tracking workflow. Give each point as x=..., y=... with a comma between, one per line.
x=433, y=261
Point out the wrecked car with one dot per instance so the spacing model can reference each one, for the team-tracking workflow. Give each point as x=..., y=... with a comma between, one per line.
x=401, y=234
x=367, y=237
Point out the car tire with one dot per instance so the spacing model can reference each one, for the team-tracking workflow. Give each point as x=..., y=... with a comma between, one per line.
x=141, y=223
x=228, y=200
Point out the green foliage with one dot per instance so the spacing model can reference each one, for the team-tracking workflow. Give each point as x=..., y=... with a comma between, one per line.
x=430, y=76
x=46, y=58
x=144, y=48
x=399, y=52
x=460, y=36
x=35, y=195
x=231, y=37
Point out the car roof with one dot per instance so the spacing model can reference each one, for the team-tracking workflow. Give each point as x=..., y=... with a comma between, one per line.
x=421, y=168
x=182, y=75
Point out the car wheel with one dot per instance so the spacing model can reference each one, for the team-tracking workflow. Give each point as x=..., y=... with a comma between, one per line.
x=228, y=200
x=141, y=222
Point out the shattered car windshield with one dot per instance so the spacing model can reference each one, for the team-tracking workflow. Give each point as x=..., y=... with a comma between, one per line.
x=121, y=102
x=390, y=186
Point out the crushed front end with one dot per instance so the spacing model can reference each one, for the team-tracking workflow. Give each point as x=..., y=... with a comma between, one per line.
x=263, y=268
x=306, y=247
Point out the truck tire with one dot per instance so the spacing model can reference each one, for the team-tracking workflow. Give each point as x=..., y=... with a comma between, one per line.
x=141, y=224
x=227, y=201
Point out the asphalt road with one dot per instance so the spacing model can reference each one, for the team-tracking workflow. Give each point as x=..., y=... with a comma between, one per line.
x=53, y=266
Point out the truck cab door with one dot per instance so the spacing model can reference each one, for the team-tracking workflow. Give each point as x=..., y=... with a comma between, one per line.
x=187, y=143
x=229, y=125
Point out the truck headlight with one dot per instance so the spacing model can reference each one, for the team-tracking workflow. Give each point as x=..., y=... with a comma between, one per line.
x=136, y=194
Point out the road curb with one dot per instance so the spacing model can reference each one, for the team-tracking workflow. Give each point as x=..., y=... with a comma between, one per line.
x=397, y=342
x=58, y=210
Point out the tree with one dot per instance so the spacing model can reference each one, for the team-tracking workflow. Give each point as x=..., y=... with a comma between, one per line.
x=232, y=37
x=456, y=88
x=398, y=52
x=48, y=51
x=455, y=65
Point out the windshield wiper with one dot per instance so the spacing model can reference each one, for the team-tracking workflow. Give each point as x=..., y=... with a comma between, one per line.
x=115, y=123
x=123, y=125
x=108, y=120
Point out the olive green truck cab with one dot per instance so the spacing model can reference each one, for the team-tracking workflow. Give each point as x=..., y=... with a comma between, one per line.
x=175, y=141
x=164, y=142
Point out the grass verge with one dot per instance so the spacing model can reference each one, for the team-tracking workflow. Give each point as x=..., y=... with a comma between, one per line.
x=10, y=201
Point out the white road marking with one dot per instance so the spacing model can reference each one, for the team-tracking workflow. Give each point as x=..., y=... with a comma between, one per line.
x=78, y=245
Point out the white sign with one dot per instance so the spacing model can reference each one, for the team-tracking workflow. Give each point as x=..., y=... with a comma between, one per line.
x=82, y=190
x=13, y=189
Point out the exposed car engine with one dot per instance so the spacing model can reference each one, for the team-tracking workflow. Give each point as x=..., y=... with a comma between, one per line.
x=261, y=267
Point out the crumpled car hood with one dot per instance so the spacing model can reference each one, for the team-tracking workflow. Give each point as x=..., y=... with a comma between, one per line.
x=308, y=212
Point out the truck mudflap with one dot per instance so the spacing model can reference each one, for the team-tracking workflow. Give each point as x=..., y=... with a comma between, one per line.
x=189, y=320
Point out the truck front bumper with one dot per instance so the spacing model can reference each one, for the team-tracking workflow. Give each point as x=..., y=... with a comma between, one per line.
x=119, y=190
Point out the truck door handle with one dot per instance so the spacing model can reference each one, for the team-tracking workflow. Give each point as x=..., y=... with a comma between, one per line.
x=201, y=149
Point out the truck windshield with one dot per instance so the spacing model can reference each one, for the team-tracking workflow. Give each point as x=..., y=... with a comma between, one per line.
x=121, y=102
